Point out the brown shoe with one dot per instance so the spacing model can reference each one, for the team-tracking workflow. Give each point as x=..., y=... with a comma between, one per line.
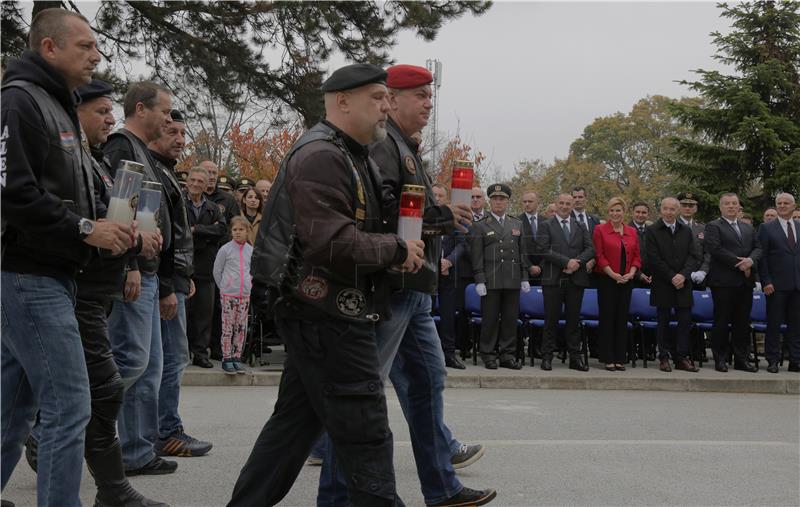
x=663, y=365
x=686, y=365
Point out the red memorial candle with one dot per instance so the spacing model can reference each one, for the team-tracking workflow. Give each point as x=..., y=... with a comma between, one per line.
x=462, y=182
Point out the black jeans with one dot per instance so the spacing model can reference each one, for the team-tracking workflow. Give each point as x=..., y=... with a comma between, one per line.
x=330, y=381
x=783, y=306
x=199, y=316
x=732, y=307
x=614, y=301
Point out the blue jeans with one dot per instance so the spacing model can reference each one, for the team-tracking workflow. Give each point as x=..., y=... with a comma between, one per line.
x=176, y=358
x=44, y=369
x=134, y=330
x=410, y=354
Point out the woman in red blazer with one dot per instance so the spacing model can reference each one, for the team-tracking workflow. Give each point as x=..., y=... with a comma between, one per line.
x=618, y=259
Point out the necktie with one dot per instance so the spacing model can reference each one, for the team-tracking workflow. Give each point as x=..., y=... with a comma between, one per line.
x=641, y=229
x=582, y=220
x=500, y=220
x=475, y=217
x=672, y=229
x=565, y=228
x=533, y=225
x=735, y=226
x=790, y=233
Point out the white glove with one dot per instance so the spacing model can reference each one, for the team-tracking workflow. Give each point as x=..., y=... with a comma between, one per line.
x=480, y=288
x=757, y=288
x=525, y=286
x=698, y=276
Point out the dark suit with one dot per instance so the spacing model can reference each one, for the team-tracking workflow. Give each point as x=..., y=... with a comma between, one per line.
x=780, y=267
x=529, y=231
x=592, y=221
x=451, y=294
x=558, y=287
x=640, y=233
x=731, y=290
x=667, y=256
x=499, y=261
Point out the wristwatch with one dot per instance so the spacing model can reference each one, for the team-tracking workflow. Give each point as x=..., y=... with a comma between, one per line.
x=85, y=228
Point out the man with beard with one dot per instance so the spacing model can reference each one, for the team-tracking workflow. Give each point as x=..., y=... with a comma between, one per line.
x=50, y=233
x=135, y=325
x=175, y=287
x=409, y=350
x=320, y=247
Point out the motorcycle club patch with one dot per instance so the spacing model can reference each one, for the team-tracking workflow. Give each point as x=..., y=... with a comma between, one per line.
x=410, y=165
x=351, y=302
x=314, y=288
x=221, y=209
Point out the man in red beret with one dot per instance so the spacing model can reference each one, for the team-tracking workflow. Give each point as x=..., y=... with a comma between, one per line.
x=409, y=350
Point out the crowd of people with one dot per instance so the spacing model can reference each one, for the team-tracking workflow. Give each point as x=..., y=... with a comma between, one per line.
x=672, y=256
x=101, y=318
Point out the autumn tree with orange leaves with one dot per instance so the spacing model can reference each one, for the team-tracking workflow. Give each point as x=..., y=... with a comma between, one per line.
x=456, y=149
x=259, y=157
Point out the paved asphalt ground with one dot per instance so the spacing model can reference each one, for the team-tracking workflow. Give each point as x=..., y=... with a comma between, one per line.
x=545, y=447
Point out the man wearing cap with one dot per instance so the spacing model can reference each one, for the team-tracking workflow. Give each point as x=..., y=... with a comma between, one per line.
x=175, y=287
x=566, y=249
x=242, y=186
x=500, y=265
x=688, y=209
x=409, y=349
x=323, y=255
x=134, y=324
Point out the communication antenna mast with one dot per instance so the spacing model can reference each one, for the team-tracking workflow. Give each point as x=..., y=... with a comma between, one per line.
x=435, y=68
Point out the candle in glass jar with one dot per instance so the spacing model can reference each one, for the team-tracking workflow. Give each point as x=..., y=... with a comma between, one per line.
x=125, y=192
x=461, y=183
x=412, y=203
x=149, y=202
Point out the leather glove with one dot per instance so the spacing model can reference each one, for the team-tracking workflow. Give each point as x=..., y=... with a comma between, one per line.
x=525, y=286
x=480, y=288
x=698, y=276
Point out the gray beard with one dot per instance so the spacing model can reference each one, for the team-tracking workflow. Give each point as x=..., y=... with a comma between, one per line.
x=378, y=134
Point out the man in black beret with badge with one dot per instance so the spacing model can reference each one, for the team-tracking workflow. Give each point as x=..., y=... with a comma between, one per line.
x=321, y=255
x=500, y=265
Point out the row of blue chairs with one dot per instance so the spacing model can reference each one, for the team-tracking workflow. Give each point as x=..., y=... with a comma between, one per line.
x=643, y=316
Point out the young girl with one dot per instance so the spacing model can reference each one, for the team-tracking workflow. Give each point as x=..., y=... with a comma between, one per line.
x=232, y=275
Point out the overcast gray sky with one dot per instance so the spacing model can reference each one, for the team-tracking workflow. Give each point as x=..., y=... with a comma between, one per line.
x=524, y=79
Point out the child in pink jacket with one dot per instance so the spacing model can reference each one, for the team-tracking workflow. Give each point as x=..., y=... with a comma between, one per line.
x=232, y=275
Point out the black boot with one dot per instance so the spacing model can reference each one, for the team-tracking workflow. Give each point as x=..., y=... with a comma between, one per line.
x=113, y=488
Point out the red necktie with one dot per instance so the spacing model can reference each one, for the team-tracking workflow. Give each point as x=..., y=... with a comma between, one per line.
x=790, y=233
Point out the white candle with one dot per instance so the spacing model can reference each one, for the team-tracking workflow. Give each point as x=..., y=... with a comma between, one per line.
x=409, y=228
x=461, y=196
x=146, y=221
x=120, y=211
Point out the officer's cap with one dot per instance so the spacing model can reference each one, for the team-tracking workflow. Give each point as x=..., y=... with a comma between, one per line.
x=687, y=198
x=182, y=176
x=93, y=90
x=353, y=76
x=224, y=183
x=500, y=189
x=244, y=184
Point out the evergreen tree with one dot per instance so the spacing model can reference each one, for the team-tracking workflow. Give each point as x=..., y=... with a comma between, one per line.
x=747, y=129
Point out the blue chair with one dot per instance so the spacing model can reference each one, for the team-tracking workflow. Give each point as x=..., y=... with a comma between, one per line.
x=758, y=320
x=532, y=315
x=472, y=306
x=644, y=317
x=702, y=313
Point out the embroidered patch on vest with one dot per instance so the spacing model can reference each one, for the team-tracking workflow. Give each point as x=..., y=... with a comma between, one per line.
x=411, y=166
x=68, y=140
x=351, y=302
x=221, y=208
x=314, y=288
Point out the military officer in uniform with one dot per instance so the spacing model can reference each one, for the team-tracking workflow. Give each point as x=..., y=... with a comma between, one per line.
x=688, y=209
x=500, y=266
x=324, y=257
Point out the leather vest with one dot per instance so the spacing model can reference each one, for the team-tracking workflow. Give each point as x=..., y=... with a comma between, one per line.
x=427, y=278
x=183, y=246
x=278, y=263
x=151, y=174
x=69, y=169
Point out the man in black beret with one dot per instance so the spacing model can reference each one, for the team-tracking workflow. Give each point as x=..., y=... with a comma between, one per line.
x=320, y=247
